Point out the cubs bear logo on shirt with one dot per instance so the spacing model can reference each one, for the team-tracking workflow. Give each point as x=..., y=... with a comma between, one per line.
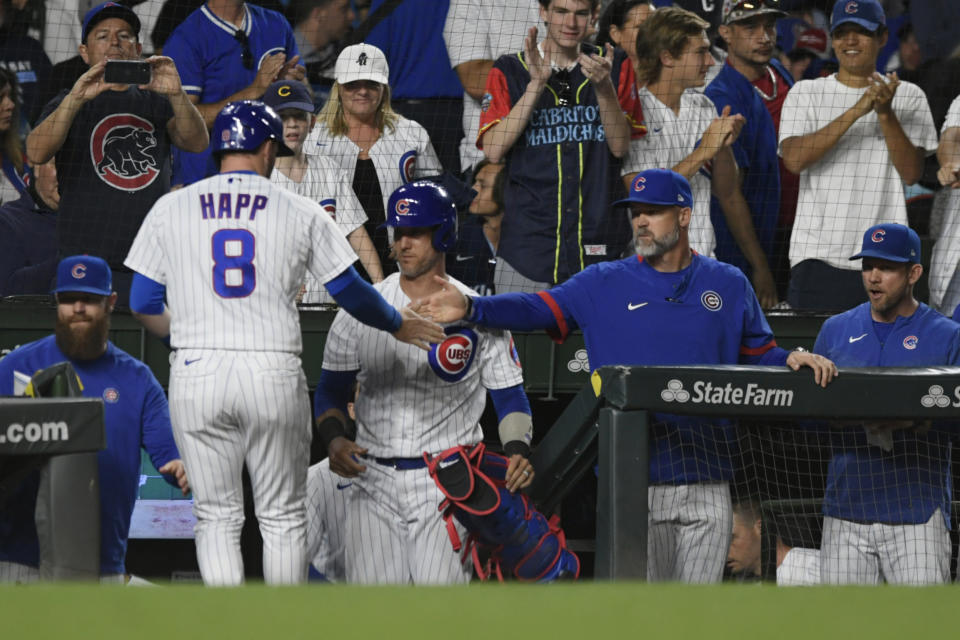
x=451, y=359
x=123, y=149
x=910, y=342
x=111, y=395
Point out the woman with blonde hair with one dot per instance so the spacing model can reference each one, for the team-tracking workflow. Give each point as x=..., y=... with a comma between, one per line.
x=379, y=149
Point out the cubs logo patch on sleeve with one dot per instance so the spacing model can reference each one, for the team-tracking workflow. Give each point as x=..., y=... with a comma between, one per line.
x=451, y=359
x=408, y=163
x=330, y=206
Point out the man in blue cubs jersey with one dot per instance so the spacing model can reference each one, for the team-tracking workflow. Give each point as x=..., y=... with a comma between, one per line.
x=135, y=415
x=887, y=503
x=225, y=51
x=663, y=306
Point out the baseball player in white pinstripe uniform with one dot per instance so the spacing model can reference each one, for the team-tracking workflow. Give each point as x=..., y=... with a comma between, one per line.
x=327, y=496
x=230, y=253
x=409, y=403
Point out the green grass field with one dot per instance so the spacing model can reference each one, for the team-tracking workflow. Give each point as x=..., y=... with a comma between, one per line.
x=587, y=611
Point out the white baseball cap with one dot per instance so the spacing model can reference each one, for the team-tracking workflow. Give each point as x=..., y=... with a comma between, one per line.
x=362, y=62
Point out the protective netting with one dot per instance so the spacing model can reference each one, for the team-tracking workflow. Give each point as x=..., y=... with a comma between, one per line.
x=435, y=80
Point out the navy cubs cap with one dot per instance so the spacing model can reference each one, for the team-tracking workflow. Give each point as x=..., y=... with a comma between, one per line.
x=106, y=10
x=894, y=242
x=285, y=94
x=866, y=13
x=88, y=274
x=659, y=186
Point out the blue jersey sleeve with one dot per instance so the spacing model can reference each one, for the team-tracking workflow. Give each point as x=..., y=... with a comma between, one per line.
x=756, y=339
x=363, y=302
x=187, y=60
x=723, y=96
x=146, y=295
x=953, y=349
x=290, y=42
x=333, y=391
x=824, y=344
x=514, y=311
x=7, y=367
x=156, y=432
x=510, y=400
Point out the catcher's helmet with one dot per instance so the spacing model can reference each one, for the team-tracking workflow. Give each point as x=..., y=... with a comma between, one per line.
x=244, y=125
x=424, y=204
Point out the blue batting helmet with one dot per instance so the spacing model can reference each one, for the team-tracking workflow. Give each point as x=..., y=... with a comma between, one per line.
x=424, y=204
x=244, y=125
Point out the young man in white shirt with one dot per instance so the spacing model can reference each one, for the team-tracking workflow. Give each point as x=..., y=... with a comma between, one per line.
x=685, y=134
x=854, y=137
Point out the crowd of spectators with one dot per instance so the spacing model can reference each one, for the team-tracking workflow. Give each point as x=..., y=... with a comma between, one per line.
x=791, y=142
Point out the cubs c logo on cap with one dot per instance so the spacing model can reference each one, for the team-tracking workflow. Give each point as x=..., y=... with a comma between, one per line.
x=851, y=7
x=640, y=184
x=402, y=207
x=878, y=235
x=451, y=359
x=79, y=271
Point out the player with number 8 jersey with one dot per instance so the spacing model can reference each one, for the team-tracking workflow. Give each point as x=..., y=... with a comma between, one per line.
x=230, y=253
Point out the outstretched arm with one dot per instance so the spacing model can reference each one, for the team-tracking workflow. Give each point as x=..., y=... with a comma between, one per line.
x=365, y=303
x=515, y=311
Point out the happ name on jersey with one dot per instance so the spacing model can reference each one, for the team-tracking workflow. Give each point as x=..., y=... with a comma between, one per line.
x=226, y=208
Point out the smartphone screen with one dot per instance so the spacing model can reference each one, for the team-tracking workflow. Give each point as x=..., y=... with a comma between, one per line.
x=127, y=72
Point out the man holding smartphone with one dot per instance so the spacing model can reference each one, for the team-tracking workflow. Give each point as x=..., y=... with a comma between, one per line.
x=560, y=114
x=112, y=142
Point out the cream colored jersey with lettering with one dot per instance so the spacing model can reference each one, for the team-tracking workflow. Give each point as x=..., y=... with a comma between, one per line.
x=232, y=251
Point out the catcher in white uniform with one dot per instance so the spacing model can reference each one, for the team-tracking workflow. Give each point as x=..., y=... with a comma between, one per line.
x=409, y=403
x=230, y=253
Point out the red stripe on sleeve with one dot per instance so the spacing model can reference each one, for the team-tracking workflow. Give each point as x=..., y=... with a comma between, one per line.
x=630, y=101
x=757, y=351
x=496, y=103
x=562, y=329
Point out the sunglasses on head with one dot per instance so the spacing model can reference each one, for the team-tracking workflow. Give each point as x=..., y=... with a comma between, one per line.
x=751, y=5
x=247, y=54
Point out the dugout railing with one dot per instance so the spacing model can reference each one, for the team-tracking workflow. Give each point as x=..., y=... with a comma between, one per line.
x=610, y=423
x=549, y=369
